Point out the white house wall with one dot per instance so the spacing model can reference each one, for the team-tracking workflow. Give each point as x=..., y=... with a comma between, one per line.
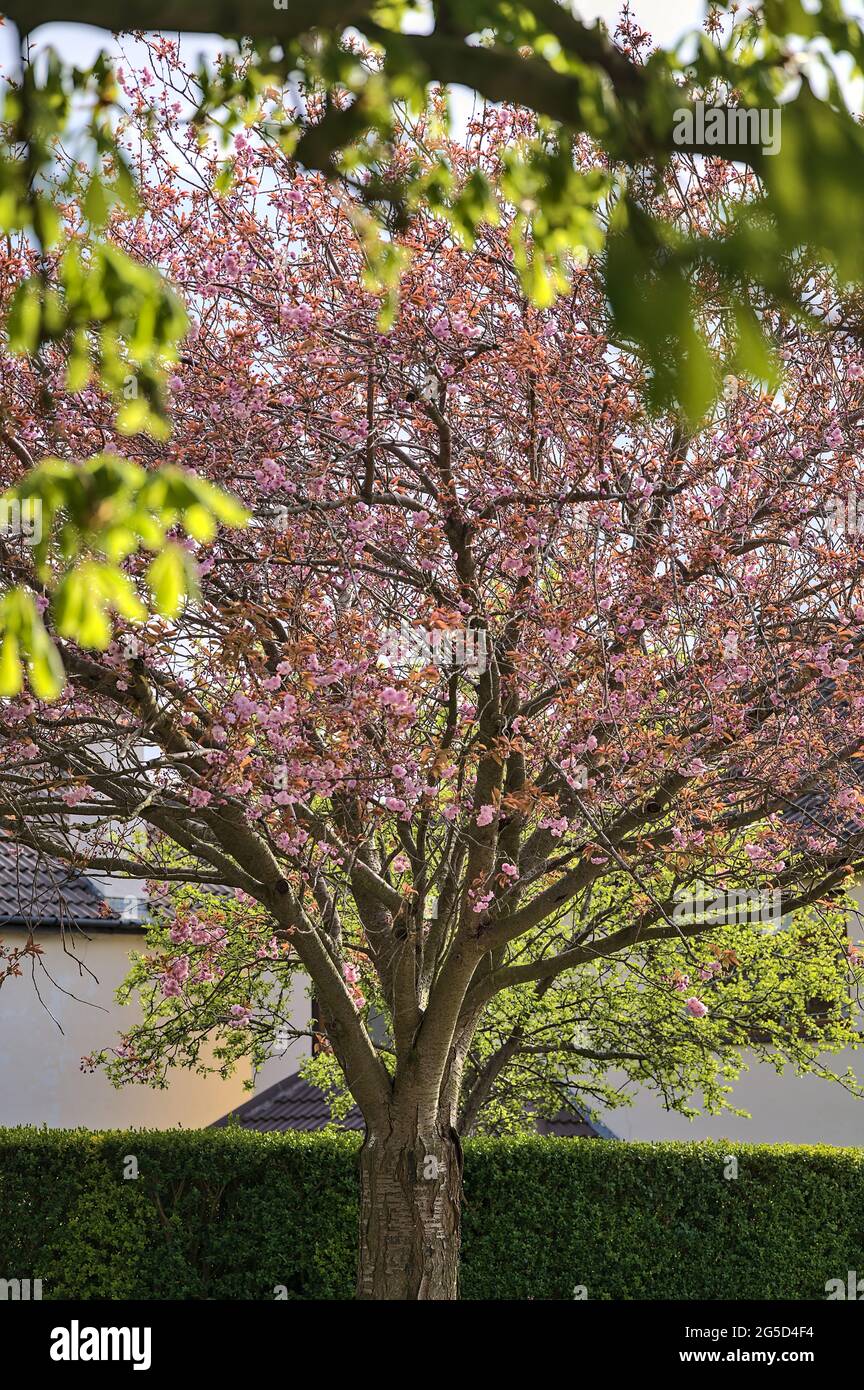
x=40, y=1078
x=784, y=1108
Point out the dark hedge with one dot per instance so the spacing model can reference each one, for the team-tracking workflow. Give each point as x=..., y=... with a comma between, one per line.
x=225, y=1214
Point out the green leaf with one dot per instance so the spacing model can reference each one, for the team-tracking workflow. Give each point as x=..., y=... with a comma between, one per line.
x=169, y=580
x=11, y=674
x=26, y=641
x=25, y=318
x=46, y=673
x=199, y=523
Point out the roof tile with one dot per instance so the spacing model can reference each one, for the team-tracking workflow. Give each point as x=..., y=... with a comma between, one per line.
x=40, y=891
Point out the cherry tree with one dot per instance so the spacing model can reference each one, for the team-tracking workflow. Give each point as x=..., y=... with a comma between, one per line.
x=511, y=692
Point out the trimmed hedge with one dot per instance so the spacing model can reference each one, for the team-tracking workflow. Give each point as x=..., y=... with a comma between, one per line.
x=232, y=1215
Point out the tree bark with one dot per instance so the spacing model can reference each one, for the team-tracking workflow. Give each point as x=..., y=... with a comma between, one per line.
x=410, y=1216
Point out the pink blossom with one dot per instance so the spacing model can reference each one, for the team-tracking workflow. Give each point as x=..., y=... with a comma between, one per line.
x=557, y=826
x=397, y=700
x=73, y=796
x=695, y=768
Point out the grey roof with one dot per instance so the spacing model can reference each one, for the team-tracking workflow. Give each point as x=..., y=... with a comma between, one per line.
x=290, y=1104
x=37, y=891
x=295, y=1104
x=570, y=1124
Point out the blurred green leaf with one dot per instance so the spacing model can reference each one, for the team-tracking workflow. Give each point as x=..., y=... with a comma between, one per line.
x=171, y=579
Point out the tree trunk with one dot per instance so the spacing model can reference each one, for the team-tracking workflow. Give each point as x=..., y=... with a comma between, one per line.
x=410, y=1212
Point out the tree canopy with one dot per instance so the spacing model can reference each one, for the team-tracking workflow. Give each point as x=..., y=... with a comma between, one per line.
x=663, y=625
x=540, y=654
x=332, y=81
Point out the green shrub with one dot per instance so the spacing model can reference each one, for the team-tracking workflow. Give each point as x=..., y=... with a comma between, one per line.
x=659, y=1221
x=212, y=1214
x=225, y=1214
